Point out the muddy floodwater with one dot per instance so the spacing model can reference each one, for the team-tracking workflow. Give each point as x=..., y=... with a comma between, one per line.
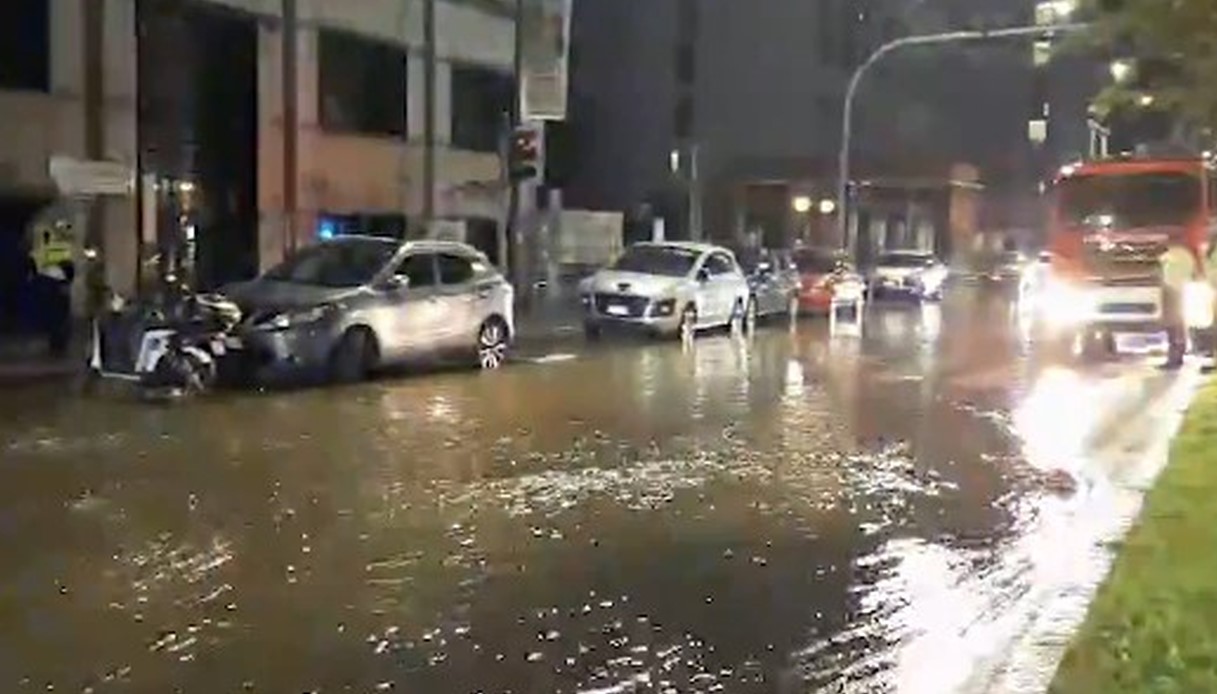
x=884, y=507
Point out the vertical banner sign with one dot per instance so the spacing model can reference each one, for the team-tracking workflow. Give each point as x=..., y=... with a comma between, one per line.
x=545, y=43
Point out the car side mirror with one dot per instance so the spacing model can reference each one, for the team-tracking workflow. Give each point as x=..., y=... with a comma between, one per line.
x=396, y=283
x=703, y=275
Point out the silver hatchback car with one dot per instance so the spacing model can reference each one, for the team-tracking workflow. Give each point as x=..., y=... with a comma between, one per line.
x=347, y=306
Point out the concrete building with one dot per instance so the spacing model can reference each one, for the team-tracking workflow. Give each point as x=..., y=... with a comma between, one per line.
x=674, y=98
x=746, y=99
x=190, y=93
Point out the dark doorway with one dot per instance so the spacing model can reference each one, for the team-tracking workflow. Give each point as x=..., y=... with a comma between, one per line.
x=16, y=292
x=198, y=133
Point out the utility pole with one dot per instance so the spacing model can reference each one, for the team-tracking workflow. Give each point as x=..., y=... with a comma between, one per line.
x=843, y=159
x=429, y=76
x=291, y=122
x=94, y=104
x=696, y=232
x=514, y=257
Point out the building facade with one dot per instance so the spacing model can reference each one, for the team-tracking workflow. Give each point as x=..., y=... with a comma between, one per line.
x=191, y=94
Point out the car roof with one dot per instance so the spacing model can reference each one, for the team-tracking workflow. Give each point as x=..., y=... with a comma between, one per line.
x=907, y=252
x=691, y=246
x=426, y=245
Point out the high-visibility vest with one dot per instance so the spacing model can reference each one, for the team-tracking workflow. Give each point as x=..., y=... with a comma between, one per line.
x=1178, y=267
x=51, y=247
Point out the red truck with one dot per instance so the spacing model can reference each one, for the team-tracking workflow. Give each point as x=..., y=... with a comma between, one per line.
x=1110, y=223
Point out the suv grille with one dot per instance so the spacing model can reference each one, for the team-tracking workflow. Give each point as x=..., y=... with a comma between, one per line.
x=634, y=306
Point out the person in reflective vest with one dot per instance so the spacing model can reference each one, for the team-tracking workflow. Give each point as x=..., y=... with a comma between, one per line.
x=1179, y=266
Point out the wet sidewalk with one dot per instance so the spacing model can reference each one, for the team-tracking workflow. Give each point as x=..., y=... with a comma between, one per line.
x=24, y=359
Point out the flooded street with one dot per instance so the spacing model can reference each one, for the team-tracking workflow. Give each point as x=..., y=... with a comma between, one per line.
x=887, y=508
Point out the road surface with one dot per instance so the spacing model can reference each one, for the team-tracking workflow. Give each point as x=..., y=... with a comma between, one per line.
x=912, y=504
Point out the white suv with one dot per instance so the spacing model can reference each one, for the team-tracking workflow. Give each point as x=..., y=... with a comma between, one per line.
x=668, y=289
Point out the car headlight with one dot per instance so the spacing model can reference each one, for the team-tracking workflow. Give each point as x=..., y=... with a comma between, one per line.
x=1198, y=305
x=1063, y=305
x=663, y=307
x=295, y=319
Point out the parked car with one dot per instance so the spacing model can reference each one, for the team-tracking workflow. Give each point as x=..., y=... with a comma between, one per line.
x=350, y=305
x=1005, y=269
x=911, y=274
x=828, y=280
x=773, y=278
x=668, y=289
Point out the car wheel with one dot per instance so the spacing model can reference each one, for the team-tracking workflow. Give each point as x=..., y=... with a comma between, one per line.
x=492, y=344
x=688, y=324
x=353, y=357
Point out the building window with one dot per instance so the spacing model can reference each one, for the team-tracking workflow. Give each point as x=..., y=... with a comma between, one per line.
x=481, y=100
x=25, y=37
x=682, y=118
x=362, y=85
x=688, y=21
x=686, y=64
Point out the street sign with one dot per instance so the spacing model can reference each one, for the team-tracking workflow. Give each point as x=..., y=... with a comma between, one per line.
x=544, y=41
x=78, y=177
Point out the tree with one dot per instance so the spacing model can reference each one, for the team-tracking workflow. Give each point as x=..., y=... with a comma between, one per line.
x=1173, y=48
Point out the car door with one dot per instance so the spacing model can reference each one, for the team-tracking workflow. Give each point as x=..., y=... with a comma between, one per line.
x=416, y=310
x=725, y=280
x=458, y=301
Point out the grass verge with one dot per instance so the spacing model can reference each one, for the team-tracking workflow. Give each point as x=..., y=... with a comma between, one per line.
x=1153, y=624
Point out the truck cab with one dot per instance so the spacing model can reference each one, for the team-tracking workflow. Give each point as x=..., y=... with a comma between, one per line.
x=1110, y=223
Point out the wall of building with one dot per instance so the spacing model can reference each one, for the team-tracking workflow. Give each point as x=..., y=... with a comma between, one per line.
x=337, y=173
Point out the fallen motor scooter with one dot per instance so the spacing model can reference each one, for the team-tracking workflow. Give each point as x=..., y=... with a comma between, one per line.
x=169, y=349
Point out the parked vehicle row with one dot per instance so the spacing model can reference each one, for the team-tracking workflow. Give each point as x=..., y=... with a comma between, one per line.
x=348, y=306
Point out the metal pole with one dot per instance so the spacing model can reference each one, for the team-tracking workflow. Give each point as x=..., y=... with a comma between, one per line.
x=429, y=70
x=843, y=158
x=696, y=232
x=94, y=19
x=291, y=122
x=515, y=261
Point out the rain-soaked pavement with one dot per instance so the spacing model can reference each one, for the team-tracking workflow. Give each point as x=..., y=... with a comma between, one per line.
x=905, y=507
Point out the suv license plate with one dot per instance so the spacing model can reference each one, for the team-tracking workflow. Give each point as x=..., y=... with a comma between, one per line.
x=618, y=310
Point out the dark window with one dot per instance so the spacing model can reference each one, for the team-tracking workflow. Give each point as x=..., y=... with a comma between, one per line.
x=689, y=21
x=454, y=269
x=362, y=85
x=481, y=100
x=25, y=28
x=682, y=118
x=419, y=269
x=1130, y=201
x=342, y=263
x=686, y=63
x=719, y=264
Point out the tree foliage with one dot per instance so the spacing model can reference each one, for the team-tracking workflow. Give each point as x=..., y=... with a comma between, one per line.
x=1174, y=47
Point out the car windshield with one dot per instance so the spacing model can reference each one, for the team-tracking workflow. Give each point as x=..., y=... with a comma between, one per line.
x=1129, y=201
x=905, y=260
x=668, y=261
x=812, y=262
x=346, y=263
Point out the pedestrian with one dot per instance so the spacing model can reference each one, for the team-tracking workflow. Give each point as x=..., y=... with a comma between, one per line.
x=54, y=288
x=1209, y=336
x=1179, y=266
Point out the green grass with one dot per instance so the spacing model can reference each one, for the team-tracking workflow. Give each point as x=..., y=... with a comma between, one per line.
x=1153, y=625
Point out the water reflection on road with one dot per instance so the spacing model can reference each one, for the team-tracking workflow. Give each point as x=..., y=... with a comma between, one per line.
x=870, y=510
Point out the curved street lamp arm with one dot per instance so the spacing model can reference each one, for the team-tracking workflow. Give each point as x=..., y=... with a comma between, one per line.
x=847, y=116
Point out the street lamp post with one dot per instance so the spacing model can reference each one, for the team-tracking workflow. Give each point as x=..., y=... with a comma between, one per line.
x=843, y=160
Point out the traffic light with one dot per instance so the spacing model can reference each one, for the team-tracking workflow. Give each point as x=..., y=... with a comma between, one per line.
x=524, y=158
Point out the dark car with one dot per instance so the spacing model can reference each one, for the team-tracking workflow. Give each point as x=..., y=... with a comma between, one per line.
x=772, y=278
